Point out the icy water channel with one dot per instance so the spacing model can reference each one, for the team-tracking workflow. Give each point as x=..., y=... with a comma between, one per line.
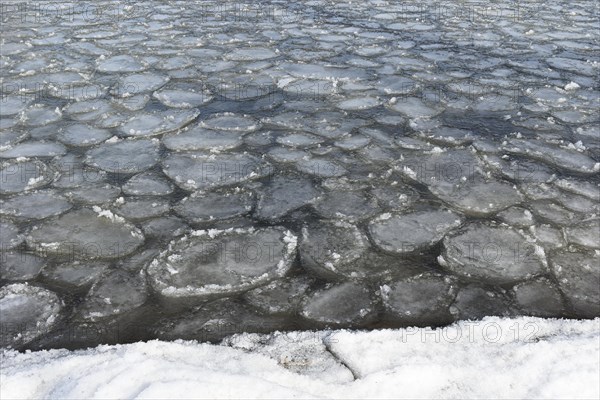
x=188, y=169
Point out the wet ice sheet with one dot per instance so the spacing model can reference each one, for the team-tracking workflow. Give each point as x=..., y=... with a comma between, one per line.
x=446, y=149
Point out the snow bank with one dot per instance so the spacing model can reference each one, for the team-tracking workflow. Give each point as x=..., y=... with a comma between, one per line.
x=493, y=358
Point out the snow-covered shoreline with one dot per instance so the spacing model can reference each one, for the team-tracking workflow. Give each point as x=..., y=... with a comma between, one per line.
x=493, y=358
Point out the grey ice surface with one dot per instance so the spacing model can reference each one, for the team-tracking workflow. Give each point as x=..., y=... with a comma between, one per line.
x=181, y=169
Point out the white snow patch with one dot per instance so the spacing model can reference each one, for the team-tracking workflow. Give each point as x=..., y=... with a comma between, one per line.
x=572, y=86
x=494, y=358
x=108, y=214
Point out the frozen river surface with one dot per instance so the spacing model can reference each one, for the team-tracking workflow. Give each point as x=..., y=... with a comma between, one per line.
x=189, y=170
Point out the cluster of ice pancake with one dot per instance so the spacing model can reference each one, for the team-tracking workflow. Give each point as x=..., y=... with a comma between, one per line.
x=176, y=171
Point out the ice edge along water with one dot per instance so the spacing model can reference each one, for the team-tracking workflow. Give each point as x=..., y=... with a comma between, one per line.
x=494, y=358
